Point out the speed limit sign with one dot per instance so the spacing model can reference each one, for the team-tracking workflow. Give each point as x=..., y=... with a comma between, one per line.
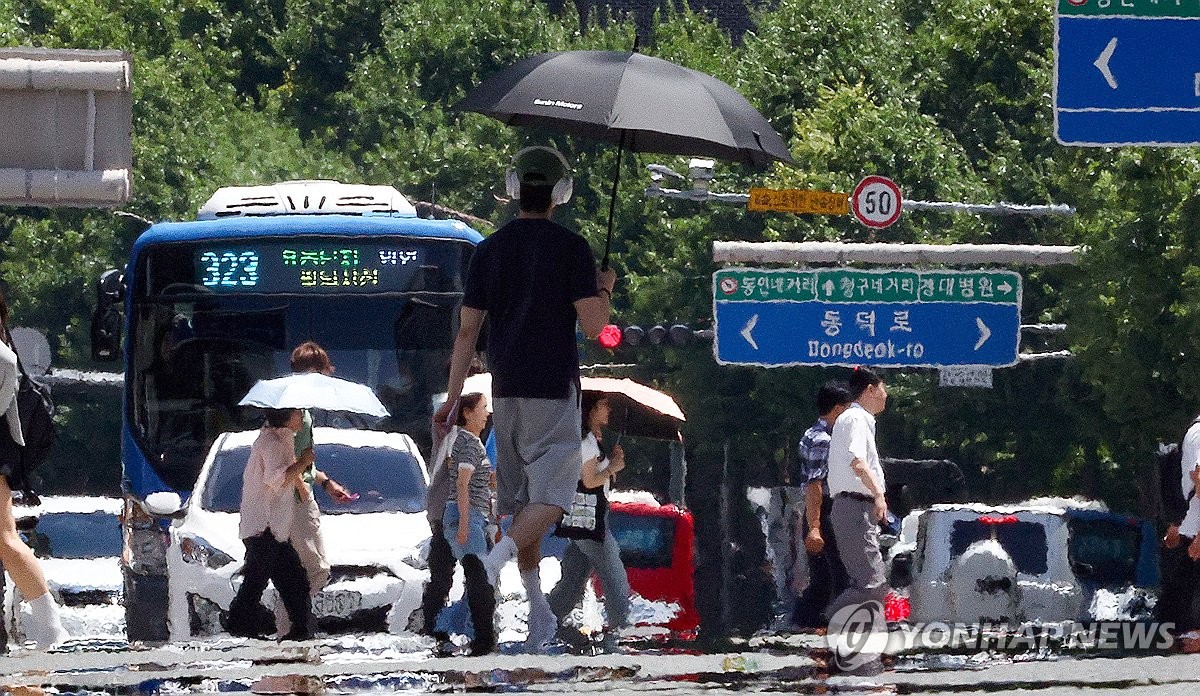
x=876, y=201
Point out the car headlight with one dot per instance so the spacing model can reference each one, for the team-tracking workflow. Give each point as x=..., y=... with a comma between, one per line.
x=195, y=549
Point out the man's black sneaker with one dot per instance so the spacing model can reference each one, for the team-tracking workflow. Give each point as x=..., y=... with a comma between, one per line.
x=572, y=637
x=240, y=631
x=480, y=648
x=297, y=634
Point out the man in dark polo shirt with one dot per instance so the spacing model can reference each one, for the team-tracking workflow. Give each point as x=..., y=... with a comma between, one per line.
x=531, y=280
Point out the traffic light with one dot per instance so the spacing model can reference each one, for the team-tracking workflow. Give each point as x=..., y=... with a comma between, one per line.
x=676, y=335
x=680, y=334
x=610, y=336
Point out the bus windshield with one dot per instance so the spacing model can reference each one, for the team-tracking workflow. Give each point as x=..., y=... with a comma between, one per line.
x=208, y=320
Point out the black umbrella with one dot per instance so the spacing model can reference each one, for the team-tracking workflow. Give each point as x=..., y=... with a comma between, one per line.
x=642, y=103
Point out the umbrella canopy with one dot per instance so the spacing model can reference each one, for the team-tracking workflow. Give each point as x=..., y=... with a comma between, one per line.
x=637, y=409
x=482, y=383
x=314, y=390
x=646, y=103
x=640, y=102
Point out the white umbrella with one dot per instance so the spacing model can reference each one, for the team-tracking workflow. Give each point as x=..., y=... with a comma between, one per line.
x=314, y=390
x=482, y=383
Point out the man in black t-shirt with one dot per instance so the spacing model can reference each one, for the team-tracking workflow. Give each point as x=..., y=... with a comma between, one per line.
x=531, y=280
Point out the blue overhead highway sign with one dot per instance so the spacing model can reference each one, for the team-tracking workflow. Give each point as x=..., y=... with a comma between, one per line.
x=891, y=318
x=1126, y=79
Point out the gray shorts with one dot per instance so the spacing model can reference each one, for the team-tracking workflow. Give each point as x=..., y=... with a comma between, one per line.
x=538, y=453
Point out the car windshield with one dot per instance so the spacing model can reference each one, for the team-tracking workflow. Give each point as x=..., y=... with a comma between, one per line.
x=386, y=479
x=75, y=535
x=1104, y=550
x=646, y=541
x=1024, y=541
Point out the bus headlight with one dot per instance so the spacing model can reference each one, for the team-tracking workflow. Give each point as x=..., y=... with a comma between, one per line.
x=197, y=550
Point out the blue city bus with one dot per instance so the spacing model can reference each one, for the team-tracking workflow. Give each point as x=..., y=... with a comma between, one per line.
x=213, y=305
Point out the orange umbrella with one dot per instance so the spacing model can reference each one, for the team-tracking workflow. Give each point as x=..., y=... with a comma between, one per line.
x=637, y=409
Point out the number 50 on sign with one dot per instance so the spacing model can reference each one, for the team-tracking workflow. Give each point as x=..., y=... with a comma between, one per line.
x=876, y=201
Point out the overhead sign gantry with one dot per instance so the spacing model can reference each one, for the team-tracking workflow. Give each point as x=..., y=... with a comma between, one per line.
x=65, y=127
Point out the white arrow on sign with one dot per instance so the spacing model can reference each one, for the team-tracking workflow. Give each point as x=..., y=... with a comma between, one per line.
x=1004, y=287
x=984, y=333
x=1102, y=63
x=747, y=329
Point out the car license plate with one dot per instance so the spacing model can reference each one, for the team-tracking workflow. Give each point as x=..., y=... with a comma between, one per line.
x=337, y=603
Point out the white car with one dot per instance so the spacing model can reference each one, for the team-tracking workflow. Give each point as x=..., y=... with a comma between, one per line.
x=1046, y=560
x=77, y=540
x=898, y=551
x=376, y=544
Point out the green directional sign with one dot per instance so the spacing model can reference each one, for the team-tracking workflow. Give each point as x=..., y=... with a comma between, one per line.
x=1130, y=8
x=851, y=285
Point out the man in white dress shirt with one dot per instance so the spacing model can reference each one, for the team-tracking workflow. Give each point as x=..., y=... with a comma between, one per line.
x=1180, y=567
x=856, y=484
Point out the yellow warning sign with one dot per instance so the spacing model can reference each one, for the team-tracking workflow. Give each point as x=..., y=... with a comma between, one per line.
x=798, y=201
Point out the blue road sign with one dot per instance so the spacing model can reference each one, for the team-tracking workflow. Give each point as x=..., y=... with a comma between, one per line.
x=1125, y=80
x=844, y=317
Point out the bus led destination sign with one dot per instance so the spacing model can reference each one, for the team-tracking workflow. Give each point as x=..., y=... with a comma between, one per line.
x=306, y=266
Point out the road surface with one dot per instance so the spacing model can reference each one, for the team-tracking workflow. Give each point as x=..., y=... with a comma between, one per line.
x=397, y=663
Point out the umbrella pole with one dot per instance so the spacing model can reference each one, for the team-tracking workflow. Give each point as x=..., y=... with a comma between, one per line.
x=612, y=203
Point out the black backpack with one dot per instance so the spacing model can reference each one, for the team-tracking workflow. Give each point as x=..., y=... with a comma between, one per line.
x=36, y=410
x=1170, y=479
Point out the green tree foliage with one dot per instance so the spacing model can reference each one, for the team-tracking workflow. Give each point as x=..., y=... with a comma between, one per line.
x=193, y=132
x=948, y=97
x=1134, y=324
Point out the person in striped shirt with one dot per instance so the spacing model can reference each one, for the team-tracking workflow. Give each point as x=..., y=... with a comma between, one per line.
x=818, y=573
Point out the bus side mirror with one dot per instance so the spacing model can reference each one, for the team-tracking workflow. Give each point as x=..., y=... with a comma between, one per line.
x=107, y=319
